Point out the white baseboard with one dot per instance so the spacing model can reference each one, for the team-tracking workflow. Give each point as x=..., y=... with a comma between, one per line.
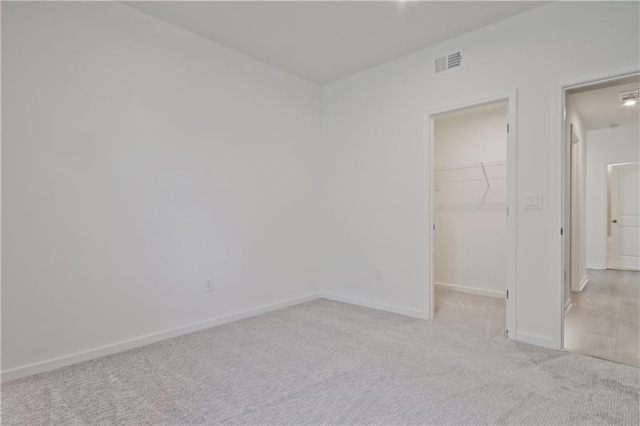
x=472, y=290
x=591, y=266
x=55, y=363
x=534, y=339
x=415, y=313
x=567, y=306
x=583, y=283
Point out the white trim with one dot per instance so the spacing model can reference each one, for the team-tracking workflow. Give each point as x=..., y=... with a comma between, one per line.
x=414, y=313
x=429, y=299
x=63, y=361
x=512, y=202
x=592, y=266
x=620, y=268
x=567, y=306
x=512, y=219
x=534, y=339
x=558, y=177
x=604, y=241
x=558, y=173
x=583, y=282
x=471, y=290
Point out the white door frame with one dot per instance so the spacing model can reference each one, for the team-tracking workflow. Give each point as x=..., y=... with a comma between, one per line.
x=511, y=98
x=558, y=315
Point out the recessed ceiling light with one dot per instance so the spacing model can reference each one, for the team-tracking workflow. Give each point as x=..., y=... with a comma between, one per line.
x=629, y=98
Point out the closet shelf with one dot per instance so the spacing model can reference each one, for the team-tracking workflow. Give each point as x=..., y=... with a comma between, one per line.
x=484, y=171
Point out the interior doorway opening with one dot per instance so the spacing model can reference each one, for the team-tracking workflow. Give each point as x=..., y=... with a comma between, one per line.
x=601, y=259
x=470, y=200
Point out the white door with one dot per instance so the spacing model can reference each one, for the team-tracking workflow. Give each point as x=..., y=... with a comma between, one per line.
x=624, y=243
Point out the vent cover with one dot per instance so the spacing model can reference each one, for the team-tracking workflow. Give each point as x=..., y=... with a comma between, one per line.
x=629, y=95
x=448, y=62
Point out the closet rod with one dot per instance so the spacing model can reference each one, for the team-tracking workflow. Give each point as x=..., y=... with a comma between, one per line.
x=466, y=180
x=472, y=165
x=480, y=166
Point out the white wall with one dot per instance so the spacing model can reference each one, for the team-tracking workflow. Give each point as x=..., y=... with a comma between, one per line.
x=139, y=160
x=606, y=146
x=470, y=237
x=575, y=194
x=374, y=139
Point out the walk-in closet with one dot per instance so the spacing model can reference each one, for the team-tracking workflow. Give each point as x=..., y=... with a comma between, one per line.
x=469, y=208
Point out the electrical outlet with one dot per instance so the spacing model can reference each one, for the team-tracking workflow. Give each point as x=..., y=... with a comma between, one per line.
x=378, y=274
x=207, y=286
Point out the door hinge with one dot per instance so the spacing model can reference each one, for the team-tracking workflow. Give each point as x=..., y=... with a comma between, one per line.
x=507, y=127
x=507, y=211
x=561, y=231
x=434, y=227
x=507, y=294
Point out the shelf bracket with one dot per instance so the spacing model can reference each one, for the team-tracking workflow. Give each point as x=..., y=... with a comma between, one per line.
x=485, y=174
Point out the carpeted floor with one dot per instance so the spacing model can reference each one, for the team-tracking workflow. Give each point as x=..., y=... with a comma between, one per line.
x=331, y=363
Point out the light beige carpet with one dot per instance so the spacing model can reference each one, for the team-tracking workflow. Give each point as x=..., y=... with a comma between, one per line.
x=325, y=362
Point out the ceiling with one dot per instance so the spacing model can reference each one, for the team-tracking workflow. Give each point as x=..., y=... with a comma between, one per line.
x=323, y=41
x=599, y=106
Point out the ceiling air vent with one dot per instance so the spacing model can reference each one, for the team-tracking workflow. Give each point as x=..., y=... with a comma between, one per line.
x=449, y=62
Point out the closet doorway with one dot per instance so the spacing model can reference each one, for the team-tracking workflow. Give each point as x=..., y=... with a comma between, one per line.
x=473, y=219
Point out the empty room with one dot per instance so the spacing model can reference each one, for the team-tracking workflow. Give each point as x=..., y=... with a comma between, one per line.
x=308, y=212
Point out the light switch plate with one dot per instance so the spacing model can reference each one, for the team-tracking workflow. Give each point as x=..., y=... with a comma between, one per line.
x=533, y=201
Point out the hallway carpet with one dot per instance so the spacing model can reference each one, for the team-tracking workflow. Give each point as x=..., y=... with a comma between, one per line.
x=325, y=362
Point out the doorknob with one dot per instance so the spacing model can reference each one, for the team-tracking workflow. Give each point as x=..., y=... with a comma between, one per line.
x=614, y=221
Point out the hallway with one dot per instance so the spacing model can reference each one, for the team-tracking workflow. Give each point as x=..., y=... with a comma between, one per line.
x=604, y=321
